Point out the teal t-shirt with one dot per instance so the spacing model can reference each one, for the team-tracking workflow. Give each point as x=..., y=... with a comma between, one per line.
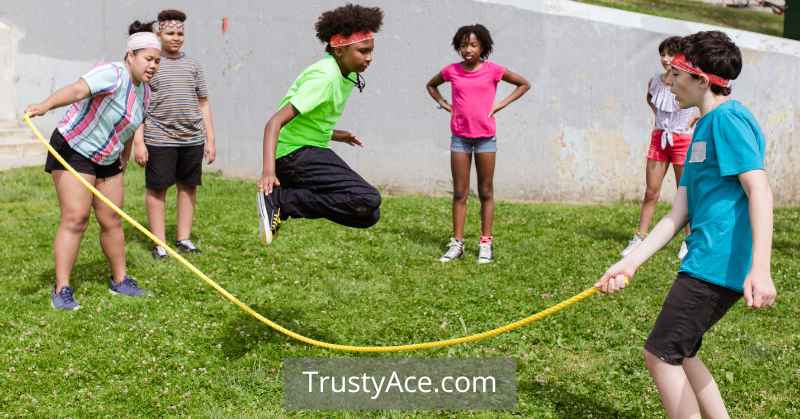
x=727, y=142
x=319, y=94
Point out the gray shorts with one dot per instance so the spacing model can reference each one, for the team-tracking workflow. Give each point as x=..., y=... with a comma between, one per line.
x=473, y=145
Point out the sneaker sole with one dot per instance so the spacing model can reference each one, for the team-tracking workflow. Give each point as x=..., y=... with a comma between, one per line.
x=124, y=295
x=64, y=309
x=264, y=233
x=485, y=261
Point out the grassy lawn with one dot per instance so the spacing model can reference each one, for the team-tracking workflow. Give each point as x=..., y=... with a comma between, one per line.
x=766, y=23
x=187, y=351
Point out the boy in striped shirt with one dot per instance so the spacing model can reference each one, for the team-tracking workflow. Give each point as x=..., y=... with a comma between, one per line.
x=176, y=135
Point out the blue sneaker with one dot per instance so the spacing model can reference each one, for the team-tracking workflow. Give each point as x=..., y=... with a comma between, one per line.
x=128, y=287
x=64, y=299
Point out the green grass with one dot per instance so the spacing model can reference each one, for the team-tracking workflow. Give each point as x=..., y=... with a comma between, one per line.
x=187, y=351
x=691, y=10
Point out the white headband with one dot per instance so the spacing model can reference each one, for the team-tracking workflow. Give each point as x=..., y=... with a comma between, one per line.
x=141, y=40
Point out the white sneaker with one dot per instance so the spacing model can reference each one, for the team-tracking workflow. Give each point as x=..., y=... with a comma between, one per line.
x=485, y=252
x=455, y=249
x=635, y=242
x=684, y=250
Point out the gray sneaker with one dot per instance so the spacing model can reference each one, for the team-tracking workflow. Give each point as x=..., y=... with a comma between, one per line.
x=64, y=299
x=128, y=287
x=455, y=249
x=485, y=253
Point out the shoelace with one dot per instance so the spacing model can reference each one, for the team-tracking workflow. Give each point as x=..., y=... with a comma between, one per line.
x=129, y=281
x=276, y=220
x=66, y=294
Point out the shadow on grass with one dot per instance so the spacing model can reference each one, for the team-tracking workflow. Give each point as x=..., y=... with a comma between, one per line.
x=134, y=236
x=569, y=405
x=91, y=271
x=246, y=333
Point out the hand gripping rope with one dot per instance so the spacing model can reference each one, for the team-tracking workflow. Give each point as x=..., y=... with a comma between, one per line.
x=313, y=342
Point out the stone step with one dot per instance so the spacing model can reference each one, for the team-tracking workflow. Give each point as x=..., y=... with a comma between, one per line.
x=17, y=132
x=21, y=152
x=9, y=124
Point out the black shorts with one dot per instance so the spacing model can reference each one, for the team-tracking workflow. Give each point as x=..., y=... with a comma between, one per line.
x=692, y=306
x=78, y=162
x=168, y=165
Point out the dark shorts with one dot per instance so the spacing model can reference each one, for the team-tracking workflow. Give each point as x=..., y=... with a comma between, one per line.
x=692, y=306
x=168, y=165
x=78, y=162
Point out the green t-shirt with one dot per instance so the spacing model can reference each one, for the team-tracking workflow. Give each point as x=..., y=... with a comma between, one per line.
x=319, y=94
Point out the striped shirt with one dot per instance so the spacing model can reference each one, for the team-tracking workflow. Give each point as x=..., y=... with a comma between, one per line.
x=174, y=118
x=98, y=127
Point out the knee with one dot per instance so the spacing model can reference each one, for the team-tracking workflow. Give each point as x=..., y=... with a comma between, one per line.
x=652, y=194
x=486, y=193
x=75, y=222
x=109, y=222
x=372, y=200
x=460, y=197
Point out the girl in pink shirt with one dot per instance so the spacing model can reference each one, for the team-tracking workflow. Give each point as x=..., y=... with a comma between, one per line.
x=473, y=84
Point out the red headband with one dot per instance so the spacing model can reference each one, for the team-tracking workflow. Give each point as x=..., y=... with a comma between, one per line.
x=340, y=40
x=681, y=63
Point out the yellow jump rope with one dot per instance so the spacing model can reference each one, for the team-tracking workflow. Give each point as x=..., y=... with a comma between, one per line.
x=247, y=309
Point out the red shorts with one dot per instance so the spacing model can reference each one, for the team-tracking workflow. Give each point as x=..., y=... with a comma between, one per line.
x=675, y=153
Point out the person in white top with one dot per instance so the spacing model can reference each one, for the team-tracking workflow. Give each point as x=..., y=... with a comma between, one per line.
x=669, y=141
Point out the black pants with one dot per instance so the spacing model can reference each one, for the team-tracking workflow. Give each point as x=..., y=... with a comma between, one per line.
x=316, y=183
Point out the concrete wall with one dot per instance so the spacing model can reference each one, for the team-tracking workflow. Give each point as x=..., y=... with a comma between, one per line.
x=7, y=70
x=579, y=135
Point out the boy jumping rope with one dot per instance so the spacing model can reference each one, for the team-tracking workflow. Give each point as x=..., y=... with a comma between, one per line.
x=301, y=176
x=725, y=195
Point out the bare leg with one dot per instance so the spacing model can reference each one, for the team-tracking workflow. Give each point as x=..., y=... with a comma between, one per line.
x=187, y=198
x=459, y=165
x=654, y=176
x=76, y=204
x=677, y=394
x=112, y=236
x=484, y=164
x=155, y=199
x=705, y=389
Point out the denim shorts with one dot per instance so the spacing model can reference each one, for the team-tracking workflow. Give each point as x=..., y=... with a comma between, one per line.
x=473, y=145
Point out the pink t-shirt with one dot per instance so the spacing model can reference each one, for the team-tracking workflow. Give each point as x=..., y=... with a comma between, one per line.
x=473, y=97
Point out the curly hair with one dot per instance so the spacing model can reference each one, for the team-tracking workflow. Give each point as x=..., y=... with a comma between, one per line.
x=671, y=46
x=480, y=32
x=171, y=14
x=714, y=53
x=138, y=26
x=347, y=20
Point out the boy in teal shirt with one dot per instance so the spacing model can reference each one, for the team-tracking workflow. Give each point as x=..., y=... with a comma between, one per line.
x=725, y=195
x=302, y=177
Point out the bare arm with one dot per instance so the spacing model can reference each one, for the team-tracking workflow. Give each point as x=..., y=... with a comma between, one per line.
x=759, y=290
x=649, y=98
x=66, y=95
x=522, y=87
x=663, y=232
x=271, y=131
x=211, y=147
x=433, y=90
